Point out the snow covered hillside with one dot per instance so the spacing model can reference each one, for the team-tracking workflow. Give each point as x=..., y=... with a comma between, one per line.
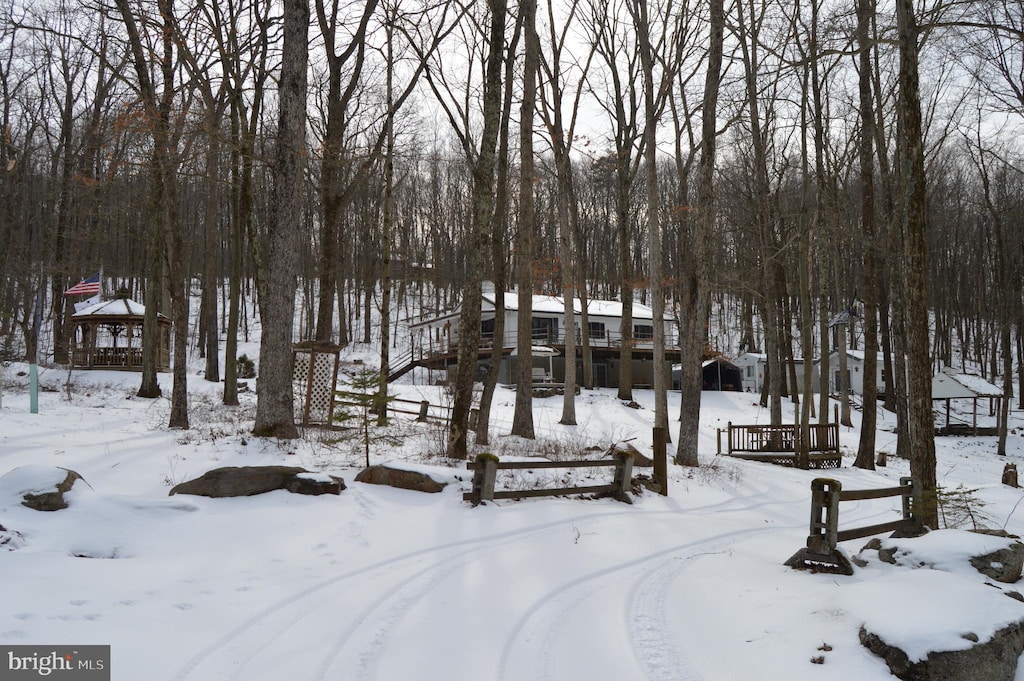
x=394, y=585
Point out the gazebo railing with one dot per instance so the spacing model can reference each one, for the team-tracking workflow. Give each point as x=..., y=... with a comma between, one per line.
x=107, y=357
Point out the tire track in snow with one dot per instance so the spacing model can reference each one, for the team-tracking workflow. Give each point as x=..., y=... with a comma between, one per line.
x=540, y=624
x=266, y=626
x=661, y=657
x=256, y=632
x=368, y=634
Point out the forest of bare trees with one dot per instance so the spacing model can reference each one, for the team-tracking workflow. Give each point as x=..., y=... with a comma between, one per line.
x=751, y=167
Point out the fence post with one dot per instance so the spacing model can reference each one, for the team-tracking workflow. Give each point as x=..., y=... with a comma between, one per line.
x=623, y=475
x=484, y=473
x=719, y=431
x=821, y=552
x=824, y=515
x=424, y=405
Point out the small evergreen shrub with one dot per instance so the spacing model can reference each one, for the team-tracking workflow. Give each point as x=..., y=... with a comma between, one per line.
x=245, y=367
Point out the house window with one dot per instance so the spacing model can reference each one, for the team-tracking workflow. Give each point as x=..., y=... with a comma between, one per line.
x=643, y=331
x=596, y=329
x=545, y=329
x=750, y=371
x=486, y=329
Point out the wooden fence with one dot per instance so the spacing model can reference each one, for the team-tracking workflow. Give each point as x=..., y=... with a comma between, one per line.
x=487, y=465
x=423, y=410
x=779, y=444
x=821, y=552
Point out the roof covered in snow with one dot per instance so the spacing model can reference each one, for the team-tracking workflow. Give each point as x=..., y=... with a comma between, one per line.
x=556, y=305
x=948, y=384
x=118, y=307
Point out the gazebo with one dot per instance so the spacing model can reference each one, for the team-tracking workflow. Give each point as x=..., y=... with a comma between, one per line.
x=108, y=335
x=949, y=385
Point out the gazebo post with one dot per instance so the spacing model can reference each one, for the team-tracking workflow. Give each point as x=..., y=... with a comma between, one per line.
x=974, y=424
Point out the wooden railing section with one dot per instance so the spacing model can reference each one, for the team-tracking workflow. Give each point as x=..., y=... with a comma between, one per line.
x=780, y=444
x=423, y=410
x=822, y=552
x=487, y=465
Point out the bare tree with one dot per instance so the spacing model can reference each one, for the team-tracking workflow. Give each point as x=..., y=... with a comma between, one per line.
x=696, y=286
x=482, y=159
x=274, y=409
x=562, y=136
x=522, y=419
x=613, y=43
x=913, y=218
x=866, y=448
x=165, y=242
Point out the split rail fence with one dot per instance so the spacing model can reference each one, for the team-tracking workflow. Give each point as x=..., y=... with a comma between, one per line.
x=822, y=552
x=423, y=410
x=487, y=465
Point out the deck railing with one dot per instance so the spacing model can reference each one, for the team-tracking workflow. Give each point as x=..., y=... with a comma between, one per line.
x=429, y=345
x=780, y=443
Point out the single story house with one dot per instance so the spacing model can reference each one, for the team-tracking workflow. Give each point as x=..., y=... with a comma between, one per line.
x=855, y=372
x=754, y=367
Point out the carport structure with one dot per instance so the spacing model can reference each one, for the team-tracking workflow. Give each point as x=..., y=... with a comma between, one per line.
x=950, y=385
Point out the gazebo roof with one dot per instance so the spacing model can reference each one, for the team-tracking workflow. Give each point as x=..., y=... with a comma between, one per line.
x=948, y=384
x=118, y=307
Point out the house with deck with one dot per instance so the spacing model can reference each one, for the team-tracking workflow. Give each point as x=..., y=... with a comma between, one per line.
x=435, y=339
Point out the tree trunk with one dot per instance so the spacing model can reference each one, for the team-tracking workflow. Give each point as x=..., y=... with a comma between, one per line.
x=522, y=419
x=482, y=207
x=914, y=219
x=274, y=408
x=696, y=299
x=866, y=446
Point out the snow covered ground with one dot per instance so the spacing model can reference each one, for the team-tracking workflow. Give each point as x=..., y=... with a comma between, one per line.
x=393, y=585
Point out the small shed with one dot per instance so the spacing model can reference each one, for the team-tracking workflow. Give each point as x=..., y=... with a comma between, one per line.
x=753, y=366
x=950, y=385
x=721, y=374
x=855, y=372
x=108, y=335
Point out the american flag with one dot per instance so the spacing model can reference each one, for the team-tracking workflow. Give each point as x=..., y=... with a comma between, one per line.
x=86, y=287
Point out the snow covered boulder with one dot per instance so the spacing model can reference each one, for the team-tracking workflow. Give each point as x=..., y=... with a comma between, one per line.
x=41, y=488
x=993, y=660
x=1003, y=564
x=416, y=478
x=994, y=553
x=932, y=625
x=247, y=481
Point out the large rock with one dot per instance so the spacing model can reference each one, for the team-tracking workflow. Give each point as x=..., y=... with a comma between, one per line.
x=401, y=478
x=1004, y=565
x=41, y=488
x=246, y=481
x=994, y=660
